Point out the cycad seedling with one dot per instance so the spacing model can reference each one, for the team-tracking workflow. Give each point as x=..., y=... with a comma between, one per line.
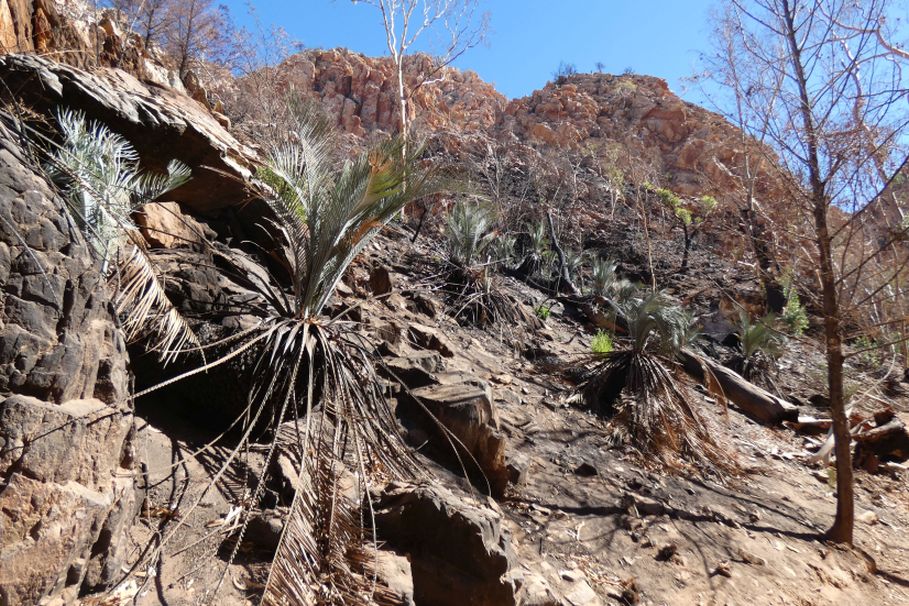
x=640, y=386
x=99, y=175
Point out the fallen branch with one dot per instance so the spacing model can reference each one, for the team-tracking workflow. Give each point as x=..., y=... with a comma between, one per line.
x=888, y=441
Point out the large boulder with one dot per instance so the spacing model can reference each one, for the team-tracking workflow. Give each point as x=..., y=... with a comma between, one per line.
x=160, y=122
x=458, y=551
x=67, y=488
x=463, y=429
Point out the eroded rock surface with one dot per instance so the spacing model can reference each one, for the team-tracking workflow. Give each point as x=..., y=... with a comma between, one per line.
x=458, y=550
x=67, y=486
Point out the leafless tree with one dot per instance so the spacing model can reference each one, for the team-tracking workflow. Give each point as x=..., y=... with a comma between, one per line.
x=257, y=99
x=459, y=23
x=188, y=30
x=198, y=31
x=820, y=83
x=148, y=18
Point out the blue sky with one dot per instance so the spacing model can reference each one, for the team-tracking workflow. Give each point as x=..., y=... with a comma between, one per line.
x=527, y=39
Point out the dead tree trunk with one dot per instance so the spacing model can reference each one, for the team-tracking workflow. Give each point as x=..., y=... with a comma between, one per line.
x=756, y=402
x=564, y=284
x=843, y=524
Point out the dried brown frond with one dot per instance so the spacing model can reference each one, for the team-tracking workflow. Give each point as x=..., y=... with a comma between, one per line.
x=478, y=298
x=649, y=409
x=144, y=308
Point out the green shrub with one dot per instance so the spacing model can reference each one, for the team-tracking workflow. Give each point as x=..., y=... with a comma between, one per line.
x=601, y=343
x=543, y=311
x=794, y=315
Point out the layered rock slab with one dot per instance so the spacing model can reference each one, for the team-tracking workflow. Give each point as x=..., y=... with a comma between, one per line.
x=458, y=549
x=160, y=122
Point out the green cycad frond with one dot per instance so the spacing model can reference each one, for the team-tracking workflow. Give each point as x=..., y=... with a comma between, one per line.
x=539, y=239
x=502, y=249
x=573, y=261
x=758, y=337
x=98, y=172
x=469, y=231
x=328, y=217
x=603, y=276
x=654, y=322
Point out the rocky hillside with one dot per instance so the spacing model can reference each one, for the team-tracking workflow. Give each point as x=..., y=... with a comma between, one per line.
x=582, y=140
x=522, y=491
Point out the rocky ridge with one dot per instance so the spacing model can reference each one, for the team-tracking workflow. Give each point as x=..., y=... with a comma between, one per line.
x=694, y=150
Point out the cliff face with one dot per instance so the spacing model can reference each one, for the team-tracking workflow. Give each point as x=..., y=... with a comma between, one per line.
x=360, y=93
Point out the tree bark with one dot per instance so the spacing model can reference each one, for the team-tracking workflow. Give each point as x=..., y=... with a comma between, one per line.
x=687, y=233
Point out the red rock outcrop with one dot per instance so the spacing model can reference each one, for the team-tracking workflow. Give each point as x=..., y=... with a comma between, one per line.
x=359, y=93
x=693, y=151
x=688, y=148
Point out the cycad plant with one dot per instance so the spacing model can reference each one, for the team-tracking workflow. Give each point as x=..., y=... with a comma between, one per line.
x=318, y=372
x=573, y=262
x=761, y=346
x=537, y=249
x=640, y=386
x=475, y=293
x=98, y=173
x=327, y=218
x=603, y=276
x=469, y=232
x=606, y=283
x=502, y=250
